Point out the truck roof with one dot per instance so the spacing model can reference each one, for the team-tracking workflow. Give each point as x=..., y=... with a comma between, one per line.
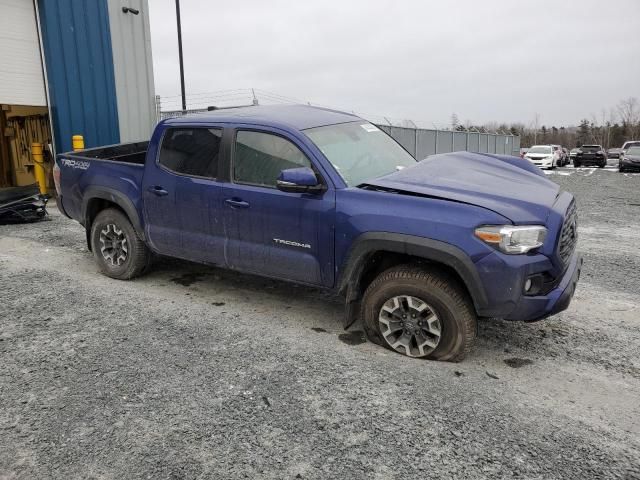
x=298, y=117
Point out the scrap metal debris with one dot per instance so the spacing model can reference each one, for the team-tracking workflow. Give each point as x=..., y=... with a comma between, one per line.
x=22, y=205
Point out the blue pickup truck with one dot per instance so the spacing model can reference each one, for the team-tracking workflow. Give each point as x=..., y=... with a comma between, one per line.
x=418, y=250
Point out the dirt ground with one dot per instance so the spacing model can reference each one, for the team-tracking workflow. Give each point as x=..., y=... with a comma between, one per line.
x=194, y=372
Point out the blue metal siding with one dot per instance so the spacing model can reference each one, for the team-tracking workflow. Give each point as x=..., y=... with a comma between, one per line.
x=77, y=49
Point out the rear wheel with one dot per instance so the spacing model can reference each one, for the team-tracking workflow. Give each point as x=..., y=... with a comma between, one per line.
x=576, y=164
x=118, y=250
x=419, y=313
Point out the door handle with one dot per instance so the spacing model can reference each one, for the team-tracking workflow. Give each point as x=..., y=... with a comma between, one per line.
x=158, y=190
x=236, y=203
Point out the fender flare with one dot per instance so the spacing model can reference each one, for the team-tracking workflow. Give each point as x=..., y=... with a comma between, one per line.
x=114, y=196
x=429, y=249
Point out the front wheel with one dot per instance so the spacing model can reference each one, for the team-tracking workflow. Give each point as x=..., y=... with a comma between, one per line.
x=118, y=250
x=419, y=313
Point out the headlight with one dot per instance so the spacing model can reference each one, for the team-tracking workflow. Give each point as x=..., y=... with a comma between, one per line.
x=511, y=239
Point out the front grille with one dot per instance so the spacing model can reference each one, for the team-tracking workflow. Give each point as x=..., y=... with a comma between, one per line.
x=569, y=234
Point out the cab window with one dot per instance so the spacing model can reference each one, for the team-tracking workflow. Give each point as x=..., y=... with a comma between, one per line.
x=259, y=158
x=191, y=151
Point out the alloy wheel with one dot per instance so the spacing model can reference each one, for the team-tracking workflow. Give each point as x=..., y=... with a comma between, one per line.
x=410, y=326
x=113, y=245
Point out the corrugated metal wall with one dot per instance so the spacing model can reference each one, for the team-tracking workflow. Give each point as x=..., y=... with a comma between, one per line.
x=77, y=48
x=133, y=69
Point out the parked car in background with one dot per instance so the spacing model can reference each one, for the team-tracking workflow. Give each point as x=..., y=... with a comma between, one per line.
x=590, y=155
x=573, y=153
x=543, y=156
x=614, y=153
x=630, y=160
x=629, y=144
x=562, y=161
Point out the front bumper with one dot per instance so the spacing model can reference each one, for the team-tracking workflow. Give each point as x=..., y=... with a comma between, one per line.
x=542, y=163
x=532, y=308
x=627, y=163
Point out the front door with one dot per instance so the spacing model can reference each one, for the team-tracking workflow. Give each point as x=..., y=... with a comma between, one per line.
x=273, y=233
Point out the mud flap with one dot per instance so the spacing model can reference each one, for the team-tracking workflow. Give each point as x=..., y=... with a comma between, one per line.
x=351, y=313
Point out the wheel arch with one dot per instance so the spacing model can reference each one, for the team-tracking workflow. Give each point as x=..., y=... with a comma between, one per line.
x=374, y=252
x=97, y=199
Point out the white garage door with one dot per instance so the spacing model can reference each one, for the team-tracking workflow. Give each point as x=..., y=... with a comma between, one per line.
x=21, y=81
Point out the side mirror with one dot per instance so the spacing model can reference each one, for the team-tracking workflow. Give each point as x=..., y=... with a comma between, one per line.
x=299, y=180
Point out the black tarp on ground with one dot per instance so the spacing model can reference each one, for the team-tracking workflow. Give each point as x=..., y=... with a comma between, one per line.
x=22, y=204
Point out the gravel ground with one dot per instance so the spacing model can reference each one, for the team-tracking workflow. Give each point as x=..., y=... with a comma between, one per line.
x=193, y=372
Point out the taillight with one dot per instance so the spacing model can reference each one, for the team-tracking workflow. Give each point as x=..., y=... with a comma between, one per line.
x=56, y=177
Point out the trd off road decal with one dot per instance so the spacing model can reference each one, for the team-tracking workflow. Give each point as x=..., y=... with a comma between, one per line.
x=68, y=162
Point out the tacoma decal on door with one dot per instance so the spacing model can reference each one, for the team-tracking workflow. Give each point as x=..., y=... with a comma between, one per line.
x=291, y=243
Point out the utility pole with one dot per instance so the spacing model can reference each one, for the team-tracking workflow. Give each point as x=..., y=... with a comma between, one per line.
x=184, y=98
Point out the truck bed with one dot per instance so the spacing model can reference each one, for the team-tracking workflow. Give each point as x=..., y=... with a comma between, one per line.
x=124, y=152
x=113, y=170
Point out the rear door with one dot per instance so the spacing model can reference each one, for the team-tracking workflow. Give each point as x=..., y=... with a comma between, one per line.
x=269, y=232
x=183, y=195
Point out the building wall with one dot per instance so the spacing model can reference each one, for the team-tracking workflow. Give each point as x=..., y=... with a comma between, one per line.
x=80, y=72
x=133, y=69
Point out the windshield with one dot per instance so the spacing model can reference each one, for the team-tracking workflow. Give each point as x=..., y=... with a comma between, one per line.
x=630, y=144
x=540, y=149
x=633, y=151
x=592, y=148
x=359, y=151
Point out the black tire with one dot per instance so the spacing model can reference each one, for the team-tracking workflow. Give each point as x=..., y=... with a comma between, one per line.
x=138, y=256
x=576, y=164
x=443, y=294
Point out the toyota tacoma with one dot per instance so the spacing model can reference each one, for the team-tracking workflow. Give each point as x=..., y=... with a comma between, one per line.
x=418, y=250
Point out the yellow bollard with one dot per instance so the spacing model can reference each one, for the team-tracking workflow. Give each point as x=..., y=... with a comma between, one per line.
x=38, y=166
x=78, y=142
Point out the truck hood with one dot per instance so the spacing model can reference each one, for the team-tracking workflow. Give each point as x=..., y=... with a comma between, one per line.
x=509, y=186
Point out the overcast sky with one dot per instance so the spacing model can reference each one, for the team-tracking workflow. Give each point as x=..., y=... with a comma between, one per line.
x=484, y=60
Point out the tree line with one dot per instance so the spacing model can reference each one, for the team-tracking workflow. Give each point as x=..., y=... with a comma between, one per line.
x=610, y=129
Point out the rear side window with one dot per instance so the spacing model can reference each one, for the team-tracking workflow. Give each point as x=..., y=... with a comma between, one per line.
x=191, y=151
x=260, y=157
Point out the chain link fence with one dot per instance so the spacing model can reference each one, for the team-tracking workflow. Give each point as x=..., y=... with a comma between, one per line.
x=421, y=142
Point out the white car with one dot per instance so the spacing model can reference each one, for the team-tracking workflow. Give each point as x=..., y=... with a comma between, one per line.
x=631, y=143
x=543, y=156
